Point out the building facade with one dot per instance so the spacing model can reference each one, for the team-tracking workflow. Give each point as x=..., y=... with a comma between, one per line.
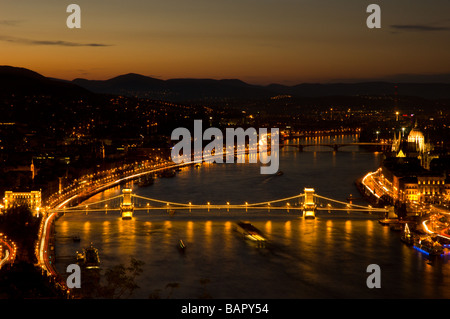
x=406, y=175
x=32, y=199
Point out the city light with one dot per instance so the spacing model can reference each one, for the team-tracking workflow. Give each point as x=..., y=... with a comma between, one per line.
x=93, y=164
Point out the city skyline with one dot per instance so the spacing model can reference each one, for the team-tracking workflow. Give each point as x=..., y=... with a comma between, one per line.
x=146, y=155
x=260, y=43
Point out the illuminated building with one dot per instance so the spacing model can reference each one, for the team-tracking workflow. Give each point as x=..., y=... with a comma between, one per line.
x=413, y=173
x=409, y=190
x=32, y=199
x=416, y=139
x=415, y=145
x=432, y=189
x=402, y=179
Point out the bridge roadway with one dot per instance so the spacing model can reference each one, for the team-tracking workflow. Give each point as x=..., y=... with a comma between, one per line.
x=99, y=206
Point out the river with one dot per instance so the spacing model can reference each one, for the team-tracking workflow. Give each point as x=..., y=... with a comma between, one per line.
x=322, y=258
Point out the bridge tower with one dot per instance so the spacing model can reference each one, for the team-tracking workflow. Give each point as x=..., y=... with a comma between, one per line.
x=309, y=207
x=127, y=207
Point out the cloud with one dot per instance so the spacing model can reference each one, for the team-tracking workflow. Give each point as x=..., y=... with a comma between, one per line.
x=419, y=27
x=48, y=42
x=11, y=23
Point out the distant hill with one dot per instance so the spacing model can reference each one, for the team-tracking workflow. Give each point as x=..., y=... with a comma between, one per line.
x=175, y=89
x=14, y=80
x=41, y=103
x=20, y=80
x=208, y=89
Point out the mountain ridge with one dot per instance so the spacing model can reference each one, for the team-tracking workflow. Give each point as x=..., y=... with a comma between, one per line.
x=18, y=79
x=197, y=89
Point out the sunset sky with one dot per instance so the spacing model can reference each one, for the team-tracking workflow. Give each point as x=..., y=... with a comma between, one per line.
x=257, y=41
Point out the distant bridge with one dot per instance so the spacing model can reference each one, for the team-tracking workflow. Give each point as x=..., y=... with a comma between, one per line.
x=334, y=146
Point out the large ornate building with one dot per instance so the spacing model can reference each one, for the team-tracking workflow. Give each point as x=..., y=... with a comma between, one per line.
x=407, y=172
x=31, y=199
x=415, y=145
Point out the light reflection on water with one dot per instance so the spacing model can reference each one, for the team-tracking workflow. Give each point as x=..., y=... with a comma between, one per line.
x=322, y=258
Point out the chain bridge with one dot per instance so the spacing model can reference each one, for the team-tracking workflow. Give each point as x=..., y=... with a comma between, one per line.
x=305, y=204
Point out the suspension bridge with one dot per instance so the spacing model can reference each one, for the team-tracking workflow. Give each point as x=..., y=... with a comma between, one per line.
x=334, y=146
x=305, y=204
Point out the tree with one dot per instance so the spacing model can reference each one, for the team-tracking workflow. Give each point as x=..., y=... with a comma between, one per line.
x=118, y=281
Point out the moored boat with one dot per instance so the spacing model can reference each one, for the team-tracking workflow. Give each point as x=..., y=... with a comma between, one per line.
x=388, y=221
x=88, y=258
x=407, y=237
x=429, y=246
x=91, y=257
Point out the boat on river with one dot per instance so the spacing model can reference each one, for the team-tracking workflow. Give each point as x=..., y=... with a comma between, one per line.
x=429, y=246
x=407, y=237
x=181, y=246
x=249, y=231
x=388, y=221
x=89, y=258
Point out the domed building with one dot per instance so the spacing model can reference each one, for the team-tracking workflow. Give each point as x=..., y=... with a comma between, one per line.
x=415, y=145
x=416, y=140
x=409, y=175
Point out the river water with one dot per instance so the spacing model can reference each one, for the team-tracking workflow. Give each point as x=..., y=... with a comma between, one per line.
x=322, y=258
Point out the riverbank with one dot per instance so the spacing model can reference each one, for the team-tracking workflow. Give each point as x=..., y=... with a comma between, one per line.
x=369, y=196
